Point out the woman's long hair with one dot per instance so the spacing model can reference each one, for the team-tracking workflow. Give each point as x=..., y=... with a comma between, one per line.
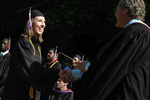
x=29, y=33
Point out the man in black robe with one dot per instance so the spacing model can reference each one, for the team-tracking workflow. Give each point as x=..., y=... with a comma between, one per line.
x=4, y=63
x=121, y=69
x=52, y=59
x=51, y=62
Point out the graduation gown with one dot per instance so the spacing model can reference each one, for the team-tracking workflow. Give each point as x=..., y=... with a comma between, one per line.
x=4, y=67
x=121, y=69
x=26, y=70
x=55, y=65
x=60, y=95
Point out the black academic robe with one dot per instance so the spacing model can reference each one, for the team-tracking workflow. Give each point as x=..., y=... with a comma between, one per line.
x=121, y=69
x=54, y=66
x=4, y=67
x=57, y=65
x=60, y=95
x=26, y=70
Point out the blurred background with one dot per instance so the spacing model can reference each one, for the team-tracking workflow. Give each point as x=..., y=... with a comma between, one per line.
x=75, y=26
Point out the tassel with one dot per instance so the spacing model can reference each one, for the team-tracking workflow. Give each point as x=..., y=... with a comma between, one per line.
x=31, y=92
x=9, y=42
x=30, y=23
x=55, y=52
x=83, y=57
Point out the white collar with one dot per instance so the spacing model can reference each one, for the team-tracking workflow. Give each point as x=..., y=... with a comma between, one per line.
x=136, y=21
x=4, y=53
x=133, y=21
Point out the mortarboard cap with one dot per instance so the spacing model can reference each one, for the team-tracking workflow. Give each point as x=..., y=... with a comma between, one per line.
x=35, y=13
x=78, y=56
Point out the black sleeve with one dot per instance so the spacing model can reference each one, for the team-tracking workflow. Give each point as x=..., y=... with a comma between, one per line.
x=120, y=56
x=29, y=68
x=59, y=66
x=70, y=96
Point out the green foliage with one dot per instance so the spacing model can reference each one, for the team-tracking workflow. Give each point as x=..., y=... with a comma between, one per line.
x=147, y=17
x=72, y=15
x=76, y=19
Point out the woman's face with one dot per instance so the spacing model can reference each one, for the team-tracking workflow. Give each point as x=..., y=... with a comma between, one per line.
x=38, y=25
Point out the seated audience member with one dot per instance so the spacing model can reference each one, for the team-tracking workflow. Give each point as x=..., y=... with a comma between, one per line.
x=60, y=91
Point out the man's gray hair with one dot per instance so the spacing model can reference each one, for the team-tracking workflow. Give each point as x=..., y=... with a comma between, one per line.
x=136, y=8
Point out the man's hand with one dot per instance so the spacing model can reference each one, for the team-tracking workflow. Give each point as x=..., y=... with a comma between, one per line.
x=66, y=75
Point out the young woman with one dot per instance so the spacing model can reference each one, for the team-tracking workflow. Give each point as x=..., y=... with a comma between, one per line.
x=26, y=73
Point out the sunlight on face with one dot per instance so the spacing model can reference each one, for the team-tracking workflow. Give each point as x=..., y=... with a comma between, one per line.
x=38, y=25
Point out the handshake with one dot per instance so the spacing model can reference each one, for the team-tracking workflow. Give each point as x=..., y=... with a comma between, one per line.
x=66, y=75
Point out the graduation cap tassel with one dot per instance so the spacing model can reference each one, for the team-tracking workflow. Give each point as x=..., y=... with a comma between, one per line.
x=83, y=57
x=9, y=42
x=30, y=23
x=66, y=56
x=55, y=52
